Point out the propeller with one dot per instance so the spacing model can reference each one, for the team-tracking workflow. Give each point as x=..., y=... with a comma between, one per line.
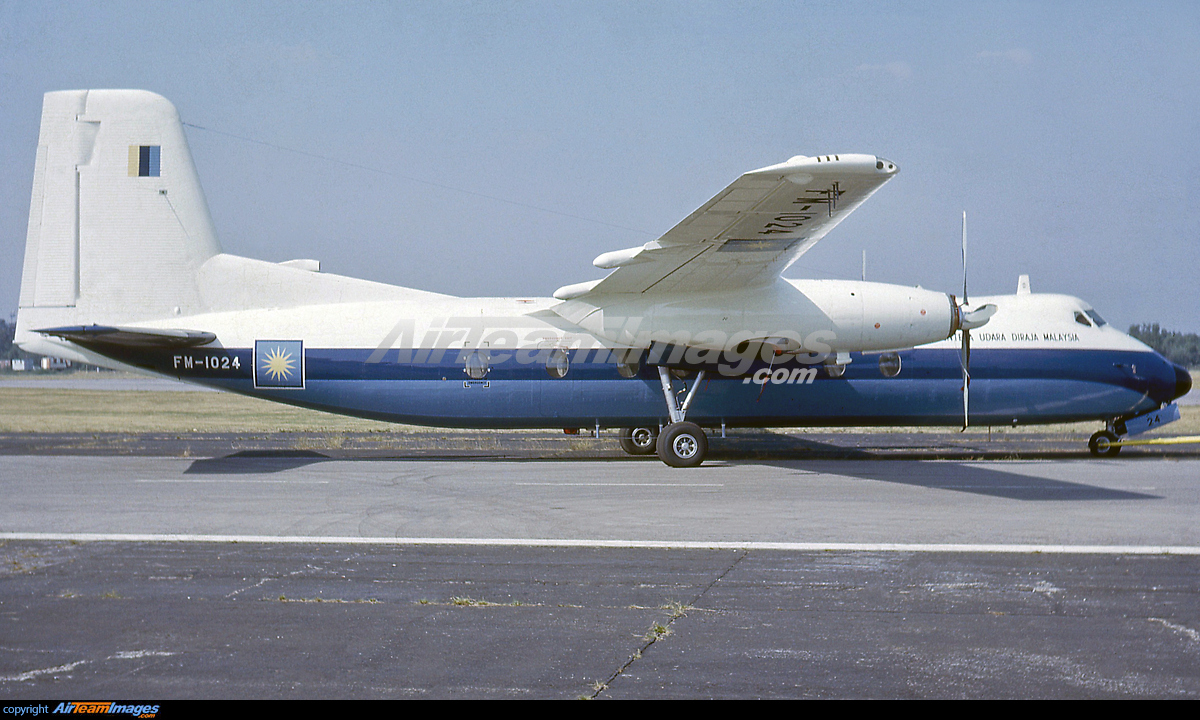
x=969, y=318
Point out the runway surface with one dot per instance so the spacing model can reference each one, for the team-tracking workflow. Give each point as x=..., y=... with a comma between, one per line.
x=850, y=501
x=295, y=574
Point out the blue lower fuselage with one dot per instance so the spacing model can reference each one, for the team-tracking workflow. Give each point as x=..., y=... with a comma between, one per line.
x=1024, y=386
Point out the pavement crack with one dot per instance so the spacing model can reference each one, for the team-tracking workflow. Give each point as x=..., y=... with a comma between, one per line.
x=658, y=631
x=260, y=583
x=68, y=667
x=1184, y=630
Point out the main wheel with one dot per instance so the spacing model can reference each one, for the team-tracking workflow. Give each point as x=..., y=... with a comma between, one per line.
x=1102, y=445
x=639, y=440
x=682, y=444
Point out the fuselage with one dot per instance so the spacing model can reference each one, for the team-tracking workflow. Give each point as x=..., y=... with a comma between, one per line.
x=513, y=363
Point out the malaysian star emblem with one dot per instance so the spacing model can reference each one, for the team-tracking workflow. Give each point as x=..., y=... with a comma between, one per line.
x=279, y=364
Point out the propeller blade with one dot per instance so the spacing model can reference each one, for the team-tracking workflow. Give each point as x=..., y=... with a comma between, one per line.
x=965, y=361
x=967, y=321
x=964, y=256
x=966, y=401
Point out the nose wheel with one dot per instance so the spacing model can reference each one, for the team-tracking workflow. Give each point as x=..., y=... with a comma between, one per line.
x=1102, y=444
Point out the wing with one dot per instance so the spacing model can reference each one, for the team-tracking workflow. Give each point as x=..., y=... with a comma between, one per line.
x=749, y=233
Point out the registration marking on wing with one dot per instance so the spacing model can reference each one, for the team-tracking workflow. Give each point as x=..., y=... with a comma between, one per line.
x=757, y=244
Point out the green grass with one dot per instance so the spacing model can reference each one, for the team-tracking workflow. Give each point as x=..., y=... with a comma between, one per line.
x=102, y=411
x=135, y=411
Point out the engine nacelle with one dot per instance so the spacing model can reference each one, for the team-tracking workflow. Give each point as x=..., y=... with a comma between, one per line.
x=867, y=316
x=810, y=316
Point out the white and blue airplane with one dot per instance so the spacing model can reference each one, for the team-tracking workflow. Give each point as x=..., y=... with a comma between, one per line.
x=694, y=330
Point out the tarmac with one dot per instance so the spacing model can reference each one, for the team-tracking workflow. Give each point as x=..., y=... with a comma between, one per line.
x=533, y=565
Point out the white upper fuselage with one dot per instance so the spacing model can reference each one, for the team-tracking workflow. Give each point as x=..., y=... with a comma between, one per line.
x=820, y=316
x=1043, y=321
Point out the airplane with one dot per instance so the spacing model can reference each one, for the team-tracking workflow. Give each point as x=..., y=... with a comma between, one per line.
x=697, y=329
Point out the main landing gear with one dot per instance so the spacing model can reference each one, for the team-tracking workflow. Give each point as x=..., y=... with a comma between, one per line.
x=679, y=444
x=639, y=440
x=682, y=444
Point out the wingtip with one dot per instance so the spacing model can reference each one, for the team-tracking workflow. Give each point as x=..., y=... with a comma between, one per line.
x=856, y=163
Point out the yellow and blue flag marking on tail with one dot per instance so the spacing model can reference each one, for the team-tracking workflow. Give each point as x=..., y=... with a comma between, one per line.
x=145, y=160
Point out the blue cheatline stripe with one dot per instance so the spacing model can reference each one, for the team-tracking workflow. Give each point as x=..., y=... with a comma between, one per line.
x=1101, y=366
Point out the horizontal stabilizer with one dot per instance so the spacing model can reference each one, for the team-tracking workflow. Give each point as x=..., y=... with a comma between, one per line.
x=100, y=337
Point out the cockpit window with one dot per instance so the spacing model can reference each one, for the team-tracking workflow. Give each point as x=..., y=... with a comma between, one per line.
x=1081, y=319
x=1095, y=316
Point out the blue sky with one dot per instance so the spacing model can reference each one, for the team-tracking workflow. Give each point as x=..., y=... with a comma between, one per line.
x=495, y=148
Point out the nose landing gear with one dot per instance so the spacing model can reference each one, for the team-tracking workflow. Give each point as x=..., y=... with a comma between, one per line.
x=1103, y=444
x=1118, y=431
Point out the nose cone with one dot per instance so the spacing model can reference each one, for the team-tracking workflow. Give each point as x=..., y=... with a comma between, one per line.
x=1183, y=382
x=1165, y=380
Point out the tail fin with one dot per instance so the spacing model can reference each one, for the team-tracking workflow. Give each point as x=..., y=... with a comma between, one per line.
x=118, y=223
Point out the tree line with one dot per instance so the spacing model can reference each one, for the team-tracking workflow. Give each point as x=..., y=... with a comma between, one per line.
x=9, y=351
x=1180, y=348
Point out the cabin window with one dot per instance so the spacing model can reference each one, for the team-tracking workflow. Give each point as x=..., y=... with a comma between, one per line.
x=1081, y=319
x=477, y=365
x=1095, y=316
x=558, y=364
x=889, y=364
x=629, y=362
